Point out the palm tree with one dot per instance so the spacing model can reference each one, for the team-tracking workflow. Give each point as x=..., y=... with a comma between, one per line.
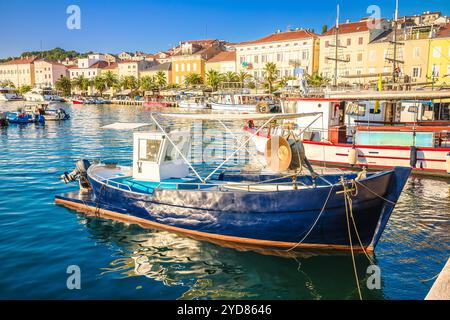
x=24, y=89
x=270, y=74
x=147, y=83
x=99, y=84
x=110, y=78
x=193, y=79
x=317, y=80
x=130, y=82
x=81, y=83
x=214, y=78
x=160, y=79
x=231, y=77
x=243, y=76
x=63, y=85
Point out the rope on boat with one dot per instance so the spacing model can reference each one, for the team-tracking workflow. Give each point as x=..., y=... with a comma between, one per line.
x=376, y=194
x=315, y=222
x=347, y=205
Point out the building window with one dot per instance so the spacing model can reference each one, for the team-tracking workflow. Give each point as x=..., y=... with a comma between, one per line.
x=417, y=52
x=360, y=57
x=348, y=58
x=256, y=59
x=177, y=78
x=182, y=67
x=194, y=66
x=279, y=57
x=436, y=71
x=416, y=72
x=263, y=58
x=188, y=67
x=437, y=52
x=361, y=40
x=176, y=69
x=327, y=44
x=349, y=42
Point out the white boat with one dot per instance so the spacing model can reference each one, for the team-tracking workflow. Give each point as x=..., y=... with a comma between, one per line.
x=41, y=95
x=8, y=94
x=193, y=104
x=242, y=102
x=350, y=134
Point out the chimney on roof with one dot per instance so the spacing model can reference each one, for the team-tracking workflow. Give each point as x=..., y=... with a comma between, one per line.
x=347, y=21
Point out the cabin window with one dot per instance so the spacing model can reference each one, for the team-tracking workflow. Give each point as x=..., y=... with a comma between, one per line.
x=149, y=149
x=413, y=109
x=354, y=109
x=171, y=153
x=373, y=111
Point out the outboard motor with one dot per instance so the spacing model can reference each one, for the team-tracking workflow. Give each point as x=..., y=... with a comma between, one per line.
x=79, y=174
x=3, y=120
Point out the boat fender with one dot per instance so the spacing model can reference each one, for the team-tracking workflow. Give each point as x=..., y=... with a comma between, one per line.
x=413, y=157
x=447, y=163
x=352, y=156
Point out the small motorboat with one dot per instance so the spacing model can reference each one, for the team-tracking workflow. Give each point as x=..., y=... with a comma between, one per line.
x=193, y=104
x=42, y=108
x=24, y=117
x=277, y=210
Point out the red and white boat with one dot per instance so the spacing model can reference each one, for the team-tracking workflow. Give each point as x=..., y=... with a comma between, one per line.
x=77, y=101
x=336, y=139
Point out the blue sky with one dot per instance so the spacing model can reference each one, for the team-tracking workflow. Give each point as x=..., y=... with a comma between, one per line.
x=153, y=25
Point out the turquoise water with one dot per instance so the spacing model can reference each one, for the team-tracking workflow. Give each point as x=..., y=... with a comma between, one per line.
x=39, y=240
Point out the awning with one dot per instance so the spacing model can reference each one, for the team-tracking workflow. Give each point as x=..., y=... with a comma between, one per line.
x=125, y=126
x=237, y=117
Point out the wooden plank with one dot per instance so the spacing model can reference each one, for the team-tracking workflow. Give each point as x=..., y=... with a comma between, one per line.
x=441, y=287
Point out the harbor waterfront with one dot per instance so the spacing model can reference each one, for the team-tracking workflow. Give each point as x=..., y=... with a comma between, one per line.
x=39, y=240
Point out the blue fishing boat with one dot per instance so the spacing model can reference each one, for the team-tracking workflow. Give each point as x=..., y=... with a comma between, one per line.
x=277, y=210
x=23, y=117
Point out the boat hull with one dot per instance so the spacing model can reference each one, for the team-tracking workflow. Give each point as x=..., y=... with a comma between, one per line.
x=268, y=219
x=233, y=107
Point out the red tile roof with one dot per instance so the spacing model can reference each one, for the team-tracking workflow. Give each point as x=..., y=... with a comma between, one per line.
x=20, y=61
x=444, y=32
x=112, y=66
x=352, y=27
x=283, y=36
x=224, y=56
x=99, y=65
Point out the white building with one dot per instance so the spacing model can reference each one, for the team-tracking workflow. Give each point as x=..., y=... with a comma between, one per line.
x=19, y=71
x=291, y=51
x=89, y=67
x=46, y=73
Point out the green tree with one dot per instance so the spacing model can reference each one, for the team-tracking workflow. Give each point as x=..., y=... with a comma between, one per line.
x=24, y=89
x=243, y=76
x=193, y=79
x=130, y=82
x=324, y=28
x=111, y=79
x=99, y=84
x=160, y=79
x=270, y=75
x=214, y=79
x=7, y=83
x=317, y=80
x=63, y=85
x=147, y=83
x=81, y=83
x=231, y=77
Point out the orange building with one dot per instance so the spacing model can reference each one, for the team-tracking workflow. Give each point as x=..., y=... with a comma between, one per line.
x=191, y=56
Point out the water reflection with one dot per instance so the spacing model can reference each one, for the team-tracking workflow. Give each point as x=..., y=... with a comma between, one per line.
x=208, y=271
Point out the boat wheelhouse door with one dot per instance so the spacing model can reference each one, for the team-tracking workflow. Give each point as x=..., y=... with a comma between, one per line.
x=155, y=158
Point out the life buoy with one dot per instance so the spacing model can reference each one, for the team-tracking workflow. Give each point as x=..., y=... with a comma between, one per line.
x=262, y=107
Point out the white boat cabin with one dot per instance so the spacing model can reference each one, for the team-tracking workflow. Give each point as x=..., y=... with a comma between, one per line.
x=155, y=158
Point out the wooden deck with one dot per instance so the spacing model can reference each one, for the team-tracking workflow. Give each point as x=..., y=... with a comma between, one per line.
x=441, y=287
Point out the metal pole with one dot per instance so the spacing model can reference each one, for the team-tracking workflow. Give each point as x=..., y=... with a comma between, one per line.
x=336, y=48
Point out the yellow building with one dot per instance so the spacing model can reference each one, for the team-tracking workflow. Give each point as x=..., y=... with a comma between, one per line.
x=190, y=57
x=439, y=53
x=353, y=41
x=411, y=55
x=19, y=71
x=223, y=62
